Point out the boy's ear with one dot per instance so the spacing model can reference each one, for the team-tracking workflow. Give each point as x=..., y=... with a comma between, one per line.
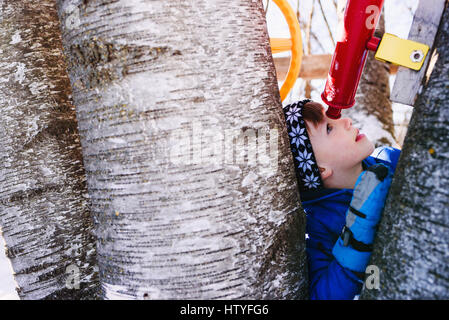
x=325, y=171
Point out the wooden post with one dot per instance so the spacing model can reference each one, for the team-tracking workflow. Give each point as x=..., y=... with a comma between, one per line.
x=424, y=28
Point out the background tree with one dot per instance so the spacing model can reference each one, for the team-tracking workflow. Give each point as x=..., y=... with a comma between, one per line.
x=44, y=213
x=164, y=91
x=412, y=245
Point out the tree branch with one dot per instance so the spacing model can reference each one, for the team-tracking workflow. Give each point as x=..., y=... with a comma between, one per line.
x=327, y=23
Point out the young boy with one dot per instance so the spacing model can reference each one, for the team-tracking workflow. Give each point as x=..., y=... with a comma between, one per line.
x=343, y=191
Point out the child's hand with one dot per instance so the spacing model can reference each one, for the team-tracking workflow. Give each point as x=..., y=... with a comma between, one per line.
x=368, y=200
x=353, y=249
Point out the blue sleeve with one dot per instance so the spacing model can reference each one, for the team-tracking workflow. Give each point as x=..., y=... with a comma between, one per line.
x=328, y=280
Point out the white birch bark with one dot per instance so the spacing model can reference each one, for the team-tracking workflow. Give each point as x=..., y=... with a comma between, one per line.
x=44, y=213
x=160, y=88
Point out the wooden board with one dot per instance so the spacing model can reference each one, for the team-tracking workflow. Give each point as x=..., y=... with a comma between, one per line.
x=424, y=28
x=313, y=67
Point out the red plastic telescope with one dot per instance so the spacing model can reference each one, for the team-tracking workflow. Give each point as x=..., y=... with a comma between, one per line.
x=356, y=38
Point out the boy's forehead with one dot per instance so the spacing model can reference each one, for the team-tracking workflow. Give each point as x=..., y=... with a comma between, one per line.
x=314, y=128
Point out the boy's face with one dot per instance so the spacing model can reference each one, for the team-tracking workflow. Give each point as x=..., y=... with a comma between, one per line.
x=338, y=145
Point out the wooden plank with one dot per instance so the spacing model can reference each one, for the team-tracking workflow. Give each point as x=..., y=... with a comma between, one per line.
x=312, y=67
x=424, y=28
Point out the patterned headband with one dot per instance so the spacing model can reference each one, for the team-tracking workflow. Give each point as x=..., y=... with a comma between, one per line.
x=306, y=167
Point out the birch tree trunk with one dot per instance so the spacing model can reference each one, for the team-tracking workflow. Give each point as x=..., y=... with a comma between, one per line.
x=167, y=92
x=412, y=244
x=44, y=213
x=372, y=111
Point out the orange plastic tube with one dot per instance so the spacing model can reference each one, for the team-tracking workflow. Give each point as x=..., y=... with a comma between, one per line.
x=296, y=47
x=280, y=45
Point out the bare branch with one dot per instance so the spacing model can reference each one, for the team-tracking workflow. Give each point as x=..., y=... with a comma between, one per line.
x=297, y=10
x=266, y=8
x=314, y=37
x=327, y=23
x=309, y=26
x=334, y=2
x=308, y=87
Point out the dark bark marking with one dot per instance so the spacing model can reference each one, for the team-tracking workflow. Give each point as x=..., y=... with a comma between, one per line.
x=102, y=62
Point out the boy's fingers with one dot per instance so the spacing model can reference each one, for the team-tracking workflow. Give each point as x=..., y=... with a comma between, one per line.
x=380, y=170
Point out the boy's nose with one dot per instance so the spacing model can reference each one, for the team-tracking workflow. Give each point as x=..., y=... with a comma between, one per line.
x=347, y=123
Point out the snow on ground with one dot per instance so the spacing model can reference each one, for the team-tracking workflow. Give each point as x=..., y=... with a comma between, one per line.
x=398, y=24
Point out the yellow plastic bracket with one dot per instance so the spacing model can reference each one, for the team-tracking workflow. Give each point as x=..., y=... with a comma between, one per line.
x=402, y=52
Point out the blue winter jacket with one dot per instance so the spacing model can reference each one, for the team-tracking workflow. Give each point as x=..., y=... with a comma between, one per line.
x=326, y=214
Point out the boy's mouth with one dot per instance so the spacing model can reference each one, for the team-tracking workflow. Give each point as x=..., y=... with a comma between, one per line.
x=359, y=136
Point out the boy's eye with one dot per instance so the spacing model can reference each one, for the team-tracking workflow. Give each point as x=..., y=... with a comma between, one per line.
x=328, y=128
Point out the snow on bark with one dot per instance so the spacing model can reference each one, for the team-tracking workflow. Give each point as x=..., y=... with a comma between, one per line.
x=44, y=213
x=166, y=93
x=412, y=244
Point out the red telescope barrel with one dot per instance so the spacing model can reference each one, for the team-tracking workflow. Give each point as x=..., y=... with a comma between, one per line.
x=356, y=38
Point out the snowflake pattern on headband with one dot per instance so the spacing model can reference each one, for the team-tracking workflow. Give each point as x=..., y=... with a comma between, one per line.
x=298, y=136
x=293, y=114
x=311, y=181
x=305, y=161
x=306, y=168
